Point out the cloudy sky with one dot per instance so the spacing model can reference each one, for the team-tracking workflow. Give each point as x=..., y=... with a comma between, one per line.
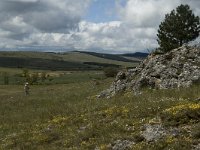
x=112, y=26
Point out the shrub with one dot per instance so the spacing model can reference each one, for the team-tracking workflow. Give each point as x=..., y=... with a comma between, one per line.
x=34, y=78
x=110, y=72
x=25, y=73
x=181, y=114
x=43, y=76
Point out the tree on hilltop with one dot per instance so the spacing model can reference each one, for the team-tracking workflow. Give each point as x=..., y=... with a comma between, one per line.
x=179, y=27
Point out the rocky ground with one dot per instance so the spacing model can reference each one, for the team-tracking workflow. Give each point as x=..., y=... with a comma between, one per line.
x=177, y=69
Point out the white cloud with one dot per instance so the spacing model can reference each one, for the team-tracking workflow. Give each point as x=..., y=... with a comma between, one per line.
x=44, y=15
x=141, y=19
x=50, y=23
x=22, y=20
x=146, y=13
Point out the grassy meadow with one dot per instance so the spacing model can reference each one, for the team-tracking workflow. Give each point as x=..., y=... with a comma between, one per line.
x=15, y=76
x=65, y=114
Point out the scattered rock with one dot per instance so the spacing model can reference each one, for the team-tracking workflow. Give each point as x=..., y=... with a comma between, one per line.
x=122, y=145
x=196, y=147
x=174, y=132
x=83, y=128
x=153, y=132
x=198, y=99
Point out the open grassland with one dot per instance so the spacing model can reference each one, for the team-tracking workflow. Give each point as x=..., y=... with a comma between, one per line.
x=68, y=116
x=15, y=76
x=11, y=71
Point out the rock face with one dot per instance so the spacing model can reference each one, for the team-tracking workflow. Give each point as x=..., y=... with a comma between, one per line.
x=177, y=68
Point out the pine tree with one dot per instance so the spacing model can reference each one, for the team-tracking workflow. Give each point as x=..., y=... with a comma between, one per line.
x=179, y=27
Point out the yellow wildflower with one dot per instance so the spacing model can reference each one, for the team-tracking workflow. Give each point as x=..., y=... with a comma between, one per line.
x=174, y=110
x=59, y=119
x=169, y=139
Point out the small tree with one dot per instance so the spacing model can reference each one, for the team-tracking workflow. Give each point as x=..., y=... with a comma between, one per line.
x=25, y=72
x=34, y=78
x=179, y=27
x=26, y=75
x=43, y=76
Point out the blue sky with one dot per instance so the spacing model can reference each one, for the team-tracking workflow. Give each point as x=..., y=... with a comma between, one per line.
x=109, y=26
x=103, y=11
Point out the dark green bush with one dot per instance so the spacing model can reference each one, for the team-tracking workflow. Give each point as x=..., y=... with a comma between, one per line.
x=110, y=72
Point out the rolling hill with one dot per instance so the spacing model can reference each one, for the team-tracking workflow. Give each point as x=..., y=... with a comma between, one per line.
x=75, y=60
x=136, y=55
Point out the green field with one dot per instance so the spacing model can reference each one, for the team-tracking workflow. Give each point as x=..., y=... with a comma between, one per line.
x=55, y=77
x=68, y=116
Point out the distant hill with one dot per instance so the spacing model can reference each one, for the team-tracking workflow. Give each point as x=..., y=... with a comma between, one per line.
x=136, y=55
x=45, y=64
x=64, y=61
x=109, y=56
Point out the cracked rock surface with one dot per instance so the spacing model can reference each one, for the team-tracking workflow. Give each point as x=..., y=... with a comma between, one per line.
x=177, y=68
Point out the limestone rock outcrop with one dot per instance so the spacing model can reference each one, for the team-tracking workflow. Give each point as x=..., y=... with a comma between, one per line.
x=177, y=68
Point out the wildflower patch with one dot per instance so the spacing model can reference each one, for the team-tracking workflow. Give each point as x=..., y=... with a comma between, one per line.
x=181, y=114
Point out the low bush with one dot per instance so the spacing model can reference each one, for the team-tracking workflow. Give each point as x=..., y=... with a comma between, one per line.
x=110, y=72
x=181, y=114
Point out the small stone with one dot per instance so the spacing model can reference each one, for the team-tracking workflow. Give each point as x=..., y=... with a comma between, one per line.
x=153, y=132
x=122, y=144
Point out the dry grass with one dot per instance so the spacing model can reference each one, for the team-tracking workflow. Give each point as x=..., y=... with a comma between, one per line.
x=68, y=116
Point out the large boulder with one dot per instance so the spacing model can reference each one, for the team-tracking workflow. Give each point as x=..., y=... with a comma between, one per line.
x=177, y=68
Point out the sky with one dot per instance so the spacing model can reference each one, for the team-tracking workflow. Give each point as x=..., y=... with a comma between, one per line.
x=108, y=26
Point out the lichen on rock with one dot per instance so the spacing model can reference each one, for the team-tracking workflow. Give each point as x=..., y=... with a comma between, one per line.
x=177, y=68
